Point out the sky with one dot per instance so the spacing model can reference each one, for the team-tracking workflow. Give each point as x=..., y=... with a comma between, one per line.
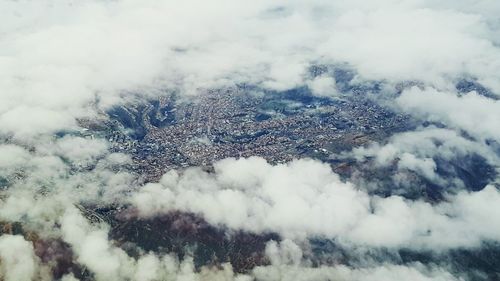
x=61, y=61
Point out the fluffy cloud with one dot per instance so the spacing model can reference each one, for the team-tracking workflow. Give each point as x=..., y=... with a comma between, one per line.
x=53, y=174
x=13, y=157
x=287, y=264
x=93, y=248
x=418, y=150
x=413, y=44
x=17, y=259
x=61, y=61
x=323, y=86
x=108, y=262
x=477, y=115
x=305, y=198
x=77, y=150
x=300, y=199
x=64, y=61
x=389, y=272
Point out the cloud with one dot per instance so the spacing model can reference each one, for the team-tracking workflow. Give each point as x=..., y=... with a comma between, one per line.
x=300, y=199
x=13, y=156
x=108, y=262
x=389, y=272
x=419, y=150
x=93, y=249
x=287, y=264
x=52, y=175
x=323, y=86
x=421, y=44
x=86, y=55
x=60, y=62
x=77, y=150
x=305, y=198
x=477, y=115
x=18, y=261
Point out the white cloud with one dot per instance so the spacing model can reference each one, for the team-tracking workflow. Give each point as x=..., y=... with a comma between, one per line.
x=287, y=264
x=13, y=156
x=17, y=259
x=477, y=115
x=60, y=61
x=57, y=60
x=305, y=198
x=413, y=44
x=78, y=150
x=417, y=151
x=93, y=249
x=323, y=86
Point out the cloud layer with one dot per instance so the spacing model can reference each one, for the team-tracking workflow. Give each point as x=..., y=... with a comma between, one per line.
x=305, y=198
x=61, y=62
